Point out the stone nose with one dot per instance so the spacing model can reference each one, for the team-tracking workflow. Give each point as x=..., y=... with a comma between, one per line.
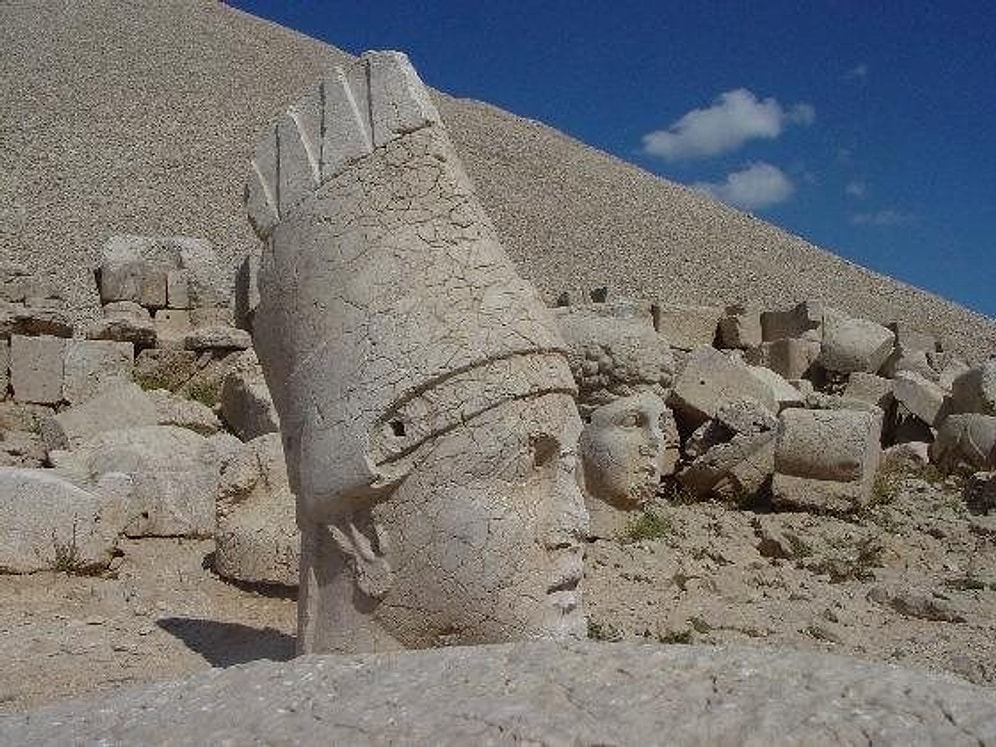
x=567, y=520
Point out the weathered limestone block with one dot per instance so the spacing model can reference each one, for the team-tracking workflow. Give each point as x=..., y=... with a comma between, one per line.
x=687, y=327
x=825, y=460
x=36, y=368
x=786, y=395
x=257, y=539
x=789, y=357
x=89, y=363
x=965, y=441
x=909, y=339
x=48, y=523
x=975, y=390
x=867, y=387
x=804, y=321
x=733, y=454
x=141, y=268
x=172, y=327
x=850, y=344
x=117, y=404
x=740, y=328
x=33, y=321
x=948, y=367
x=614, y=351
x=425, y=398
x=172, y=409
x=922, y=397
x=246, y=405
x=710, y=380
x=907, y=454
x=217, y=337
x=124, y=321
x=169, y=477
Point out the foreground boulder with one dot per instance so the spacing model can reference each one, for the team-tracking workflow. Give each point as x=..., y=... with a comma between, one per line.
x=975, y=389
x=710, y=380
x=534, y=693
x=47, y=523
x=825, y=460
x=965, y=441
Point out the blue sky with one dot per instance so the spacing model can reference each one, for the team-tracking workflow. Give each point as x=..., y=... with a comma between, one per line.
x=869, y=128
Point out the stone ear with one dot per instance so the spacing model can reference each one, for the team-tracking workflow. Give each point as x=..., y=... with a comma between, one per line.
x=371, y=571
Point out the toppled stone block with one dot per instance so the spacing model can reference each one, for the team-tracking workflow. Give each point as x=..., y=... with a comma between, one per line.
x=89, y=363
x=851, y=344
x=965, y=441
x=246, y=405
x=36, y=368
x=804, y=321
x=740, y=328
x=906, y=455
x=217, y=337
x=867, y=387
x=117, y=404
x=46, y=523
x=825, y=460
x=183, y=413
x=168, y=475
x=786, y=395
x=975, y=389
x=34, y=321
x=710, y=380
x=614, y=351
x=150, y=269
x=915, y=361
x=172, y=327
x=921, y=397
x=733, y=454
x=947, y=367
x=789, y=357
x=124, y=321
x=257, y=539
x=909, y=339
x=687, y=327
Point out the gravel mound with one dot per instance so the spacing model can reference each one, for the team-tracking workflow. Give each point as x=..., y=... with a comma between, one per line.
x=118, y=121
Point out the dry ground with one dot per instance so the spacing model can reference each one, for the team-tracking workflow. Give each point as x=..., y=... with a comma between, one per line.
x=912, y=581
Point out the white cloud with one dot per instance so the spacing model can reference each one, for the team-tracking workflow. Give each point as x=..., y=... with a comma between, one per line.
x=857, y=188
x=883, y=218
x=858, y=72
x=734, y=118
x=757, y=186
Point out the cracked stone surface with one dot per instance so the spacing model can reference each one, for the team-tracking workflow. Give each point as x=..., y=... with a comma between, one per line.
x=425, y=399
x=536, y=693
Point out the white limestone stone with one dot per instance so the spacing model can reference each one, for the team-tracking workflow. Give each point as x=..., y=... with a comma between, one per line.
x=784, y=393
x=89, y=363
x=803, y=321
x=867, y=387
x=965, y=441
x=687, y=327
x=117, y=404
x=922, y=397
x=975, y=389
x=849, y=344
x=246, y=405
x=48, y=523
x=710, y=380
x=789, y=357
x=740, y=328
x=825, y=460
x=36, y=368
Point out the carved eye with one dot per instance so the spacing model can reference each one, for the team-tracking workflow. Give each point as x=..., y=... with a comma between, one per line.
x=630, y=420
x=397, y=428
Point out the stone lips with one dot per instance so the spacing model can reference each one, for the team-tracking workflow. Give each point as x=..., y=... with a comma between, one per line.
x=165, y=105
x=536, y=693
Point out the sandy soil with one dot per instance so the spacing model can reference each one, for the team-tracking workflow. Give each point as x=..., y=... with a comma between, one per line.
x=911, y=582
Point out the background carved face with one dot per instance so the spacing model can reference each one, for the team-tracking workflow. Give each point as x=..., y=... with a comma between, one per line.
x=484, y=533
x=622, y=450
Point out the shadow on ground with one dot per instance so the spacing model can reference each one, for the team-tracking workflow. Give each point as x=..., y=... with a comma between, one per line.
x=224, y=644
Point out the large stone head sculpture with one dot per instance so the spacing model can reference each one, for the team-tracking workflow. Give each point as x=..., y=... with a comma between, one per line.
x=622, y=368
x=423, y=390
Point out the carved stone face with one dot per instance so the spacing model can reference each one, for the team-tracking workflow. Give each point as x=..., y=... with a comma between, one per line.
x=483, y=536
x=623, y=448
